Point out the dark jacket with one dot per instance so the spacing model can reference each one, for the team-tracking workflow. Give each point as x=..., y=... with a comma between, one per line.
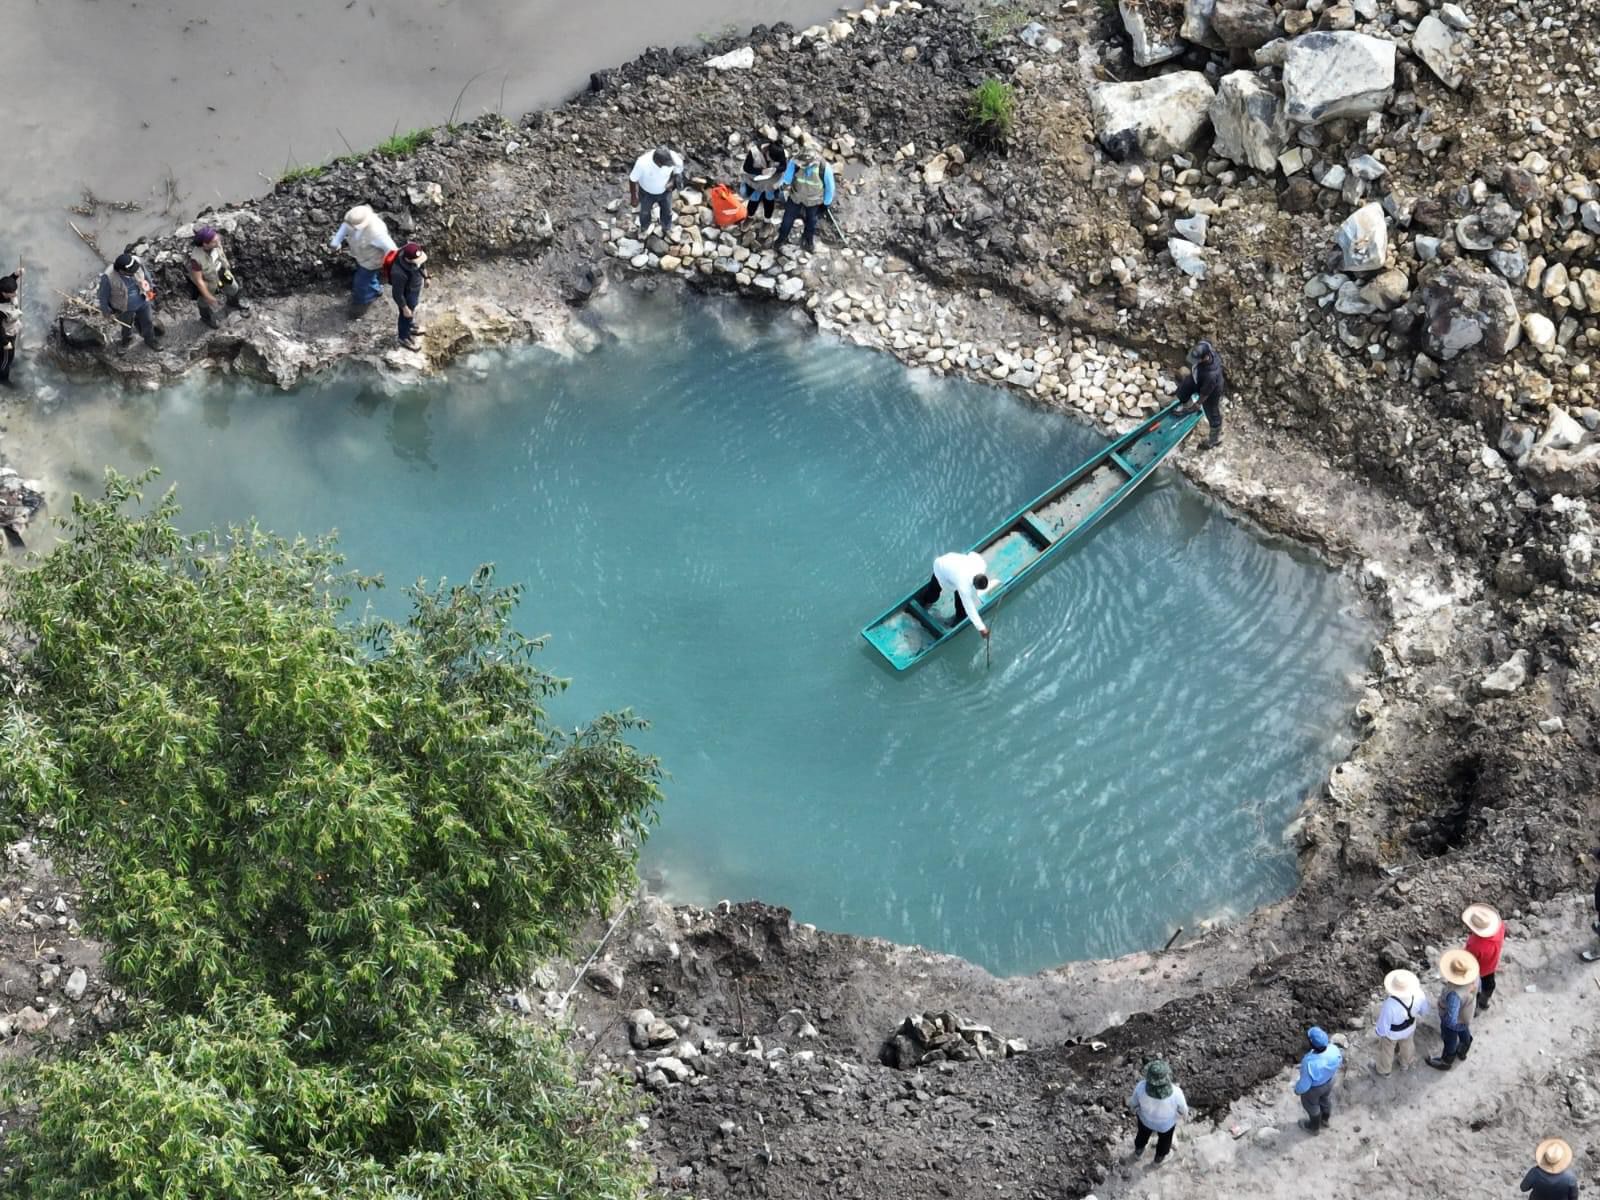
x=1546, y=1186
x=1208, y=378
x=407, y=279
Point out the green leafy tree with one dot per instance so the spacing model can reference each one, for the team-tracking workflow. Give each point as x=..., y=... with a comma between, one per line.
x=312, y=844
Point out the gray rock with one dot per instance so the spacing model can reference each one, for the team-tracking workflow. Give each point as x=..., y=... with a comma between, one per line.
x=1507, y=677
x=1427, y=247
x=1244, y=24
x=1272, y=54
x=1589, y=214
x=29, y=1020
x=605, y=977
x=1187, y=257
x=1471, y=235
x=1561, y=431
x=1467, y=307
x=1387, y=290
x=1539, y=330
x=77, y=983
x=1454, y=17
x=1551, y=471
x=1364, y=239
x=1197, y=24
x=1352, y=302
x=629, y=247
x=1329, y=75
x=1164, y=115
x=1511, y=264
x=1150, y=46
x=1193, y=228
x=1366, y=167
x=1249, y=121
x=646, y=1030
x=1444, y=50
x=1516, y=440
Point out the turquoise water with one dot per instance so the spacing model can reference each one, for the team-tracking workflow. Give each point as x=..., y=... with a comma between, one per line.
x=706, y=513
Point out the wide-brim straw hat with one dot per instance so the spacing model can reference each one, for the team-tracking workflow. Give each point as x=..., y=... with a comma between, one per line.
x=1553, y=1155
x=1481, y=919
x=359, y=215
x=1458, y=967
x=1402, y=985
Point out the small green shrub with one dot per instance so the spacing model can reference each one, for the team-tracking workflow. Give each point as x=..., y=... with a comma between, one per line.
x=992, y=114
x=311, y=171
x=403, y=145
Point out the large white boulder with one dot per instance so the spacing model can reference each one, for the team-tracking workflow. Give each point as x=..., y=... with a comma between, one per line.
x=1443, y=49
x=1329, y=75
x=1151, y=44
x=1164, y=115
x=1248, y=118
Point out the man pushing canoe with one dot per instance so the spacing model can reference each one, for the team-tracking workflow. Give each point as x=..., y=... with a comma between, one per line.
x=964, y=574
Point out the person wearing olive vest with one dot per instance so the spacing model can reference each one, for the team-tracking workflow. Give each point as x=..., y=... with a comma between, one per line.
x=810, y=183
x=1457, y=1003
x=211, y=275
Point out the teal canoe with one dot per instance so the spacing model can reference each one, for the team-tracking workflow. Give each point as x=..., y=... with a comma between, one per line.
x=1048, y=528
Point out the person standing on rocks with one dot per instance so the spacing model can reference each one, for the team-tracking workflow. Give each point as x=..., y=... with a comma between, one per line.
x=128, y=297
x=211, y=273
x=1457, y=1003
x=367, y=238
x=1551, y=1177
x=656, y=175
x=1397, y=1021
x=1202, y=387
x=1487, y=938
x=1319, y=1067
x=810, y=186
x=1157, y=1103
x=764, y=165
x=407, y=277
x=964, y=575
x=10, y=322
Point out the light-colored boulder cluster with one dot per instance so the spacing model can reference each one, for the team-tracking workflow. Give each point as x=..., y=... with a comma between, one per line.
x=930, y=1038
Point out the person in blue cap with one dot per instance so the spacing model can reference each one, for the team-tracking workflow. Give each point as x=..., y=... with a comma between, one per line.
x=1318, y=1069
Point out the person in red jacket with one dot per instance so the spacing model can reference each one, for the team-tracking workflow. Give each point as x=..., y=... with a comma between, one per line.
x=1487, y=938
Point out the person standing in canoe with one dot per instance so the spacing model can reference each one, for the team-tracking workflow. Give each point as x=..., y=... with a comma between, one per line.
x=1202, y=387
x=964, y=574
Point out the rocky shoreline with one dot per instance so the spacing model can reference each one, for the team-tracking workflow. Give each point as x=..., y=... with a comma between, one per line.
x=1390, y=247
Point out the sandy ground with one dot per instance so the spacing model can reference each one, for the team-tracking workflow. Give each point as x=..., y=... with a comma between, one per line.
x=123, y=98
x=1533, y=1073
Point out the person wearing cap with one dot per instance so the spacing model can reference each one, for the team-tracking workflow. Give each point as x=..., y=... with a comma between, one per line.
x=10, y=322
x=1551, y=1177
x=765, y=161
x=366, y=237
x=1486, y=938
x=210, y=273
x=655, y=176
x=1397, y=1021
x=1202, y=387
x=810, y=185
x=128, y=297
x=407, y=278
x=1157, y=1103
x=1319, y=1066
x=964, y=575
x=1456, y=1005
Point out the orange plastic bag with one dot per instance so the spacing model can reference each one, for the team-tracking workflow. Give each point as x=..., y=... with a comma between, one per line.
x=726, y=207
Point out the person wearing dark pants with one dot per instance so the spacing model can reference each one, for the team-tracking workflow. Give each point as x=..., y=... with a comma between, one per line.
x=655, y=176
x=811, y=185
x=764, y=165
x=1456, y=1005
x=964, y=576
x=128, y=297
x=1486, y=938
x=1202, y=387
x=407, y=277
x=211, y=275
x=1157, y=1103
x=1318, y=1069
x=10, y=323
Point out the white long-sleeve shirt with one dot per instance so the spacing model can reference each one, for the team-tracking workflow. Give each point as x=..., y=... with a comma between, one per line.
x=369, y=245
x=1392, y=1013
x=955, y=573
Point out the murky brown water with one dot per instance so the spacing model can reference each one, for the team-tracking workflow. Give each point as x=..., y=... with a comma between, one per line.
x=122, y=96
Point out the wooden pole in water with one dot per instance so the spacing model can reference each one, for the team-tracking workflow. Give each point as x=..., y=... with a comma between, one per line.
x=988, y=650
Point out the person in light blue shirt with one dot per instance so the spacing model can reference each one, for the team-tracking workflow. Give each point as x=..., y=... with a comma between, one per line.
x=1318, y=1069
x=810, y=185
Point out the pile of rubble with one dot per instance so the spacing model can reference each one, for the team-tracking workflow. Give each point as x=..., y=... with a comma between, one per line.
x=923, y=1041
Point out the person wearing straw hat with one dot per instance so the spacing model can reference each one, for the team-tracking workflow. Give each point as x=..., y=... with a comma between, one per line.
x=1157, y=1103
x=1318, y=1069
x=1457, y=1003
x=1551, y=1176
x=1397, y=1021
x=1486, y=939
x=367, y=238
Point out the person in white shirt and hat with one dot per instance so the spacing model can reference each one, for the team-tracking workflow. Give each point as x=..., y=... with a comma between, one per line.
x=367, y=238
x=1397, y=1021
x=965, y=575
